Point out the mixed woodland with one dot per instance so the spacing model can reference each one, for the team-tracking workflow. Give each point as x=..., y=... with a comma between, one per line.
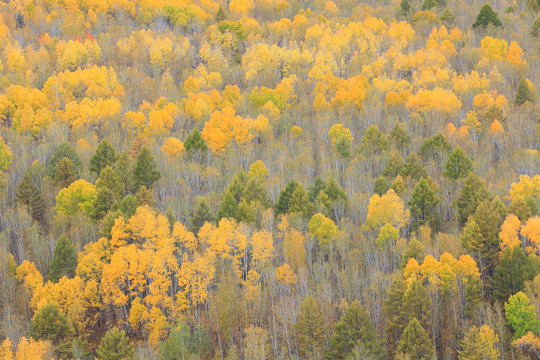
x=269, y=179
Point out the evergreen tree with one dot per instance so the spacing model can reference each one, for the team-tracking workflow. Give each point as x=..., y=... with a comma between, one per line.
x=65, y=173
x=115, y=346
x=448, y=17
x=124, y=173
x=473, y=192
x=221, y=14
x=50, y=324
x=535, y=28
x=520, y=208
x=145, y=197
x=393, y=166
x=514, y=269
x=310, y=328
x=109, y=190
x=374, y=141
x=201, y=215
x=285, y=197
x=423, y=204
x=354, y=327
x=29, y=195
x=405, y=7
x=486, y=16
x=381, y=186
x=413, y=167
x=64, y=150
x=145, y=173
x=228, y=207
x=337, y=202
x=479, y=344
x=104, y=156
x=64, y=261
x=255, y=192
x=128, y=206
x=315, y=189
x=524, y=93
x=429, y=4
x=415, y=343
x=395, y=314
x=300, y=203
x=458, y=165
x=435, y=148
x=195, y=146
x=182, y=344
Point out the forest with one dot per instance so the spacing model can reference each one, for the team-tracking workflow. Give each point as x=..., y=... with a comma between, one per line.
x=269, y=179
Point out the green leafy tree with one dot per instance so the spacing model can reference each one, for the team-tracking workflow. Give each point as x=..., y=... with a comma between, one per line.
x=479, y=344
x=520, y=208
x=29, y=195
x=300, y=203
x=486, y=16
x=355, y=326
x=514, y=269
x=145, y=197
x=104, y=156
x=423, y=204
x=201, y=215
x=115, y=346
x=64, y=260
x=521, y=315
x=65, y=173
x=381, y=186
x=309, y=328
x=524, y=93
x=50, y=324
x=415, y=343
x=458, y=165
x=195, y=146
x=145, y=172
x=182, y=344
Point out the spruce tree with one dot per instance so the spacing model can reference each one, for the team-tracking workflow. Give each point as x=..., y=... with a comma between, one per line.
x=50, y=324
x=473, y=192
x=228, y=207
x=115, y=346
x=393, y=166
x=458, y=165
x=535, y=28
x=255, y=192
x=423, y=205
x=65, y=173
x=405, y=7
x=104, y=156
x=436, y=148
x=146, y=172
x=413, y=167
x=201, y=215
x=145, y=197
x=354, y=327
x=124, y=173
x=429, y=4
x=300, y=203
x=285, y=197
x=514, y=269
x=315, y=189
x=394, y=313
x=29, y=195
x=64, y=261
x=486, y=16
x=415, y=343
x=64, y=150
x=109, y=190
x=520, y=208
x=221, y=14
x=381, y=186
x=309, y=328
x=195, y=146
x=524, y=93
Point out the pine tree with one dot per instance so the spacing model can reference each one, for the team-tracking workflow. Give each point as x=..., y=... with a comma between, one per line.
x=395, y=314
x=436, y=148
x=115, y=346
x=221, y=14
x=415, y=343
x=29, y=195
x=109, y=190
x=284, y=200
x=535, y=28
x=195, y=146
x=104, y=156
x=201, y=215
x=479, y=344
x=381, y=186
x=145, y=173
x=64, y=150
x=50, y=324
x=145, y=197
x=458, y=165
x=354, y=327
x=514, y=269
x=520, y=208
x=429, y=4
x=473, y=192
x=524, y=93
x=65, y=173
x=315, y=189
x=413, y=167
x=309, y=328
x=64, y=260
x=486, y=16
x=228, y=207
x=423, y=205
x=255, y=192
x=393, y=166
x=300, y=203
x=124, y=173
x=405, y=7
